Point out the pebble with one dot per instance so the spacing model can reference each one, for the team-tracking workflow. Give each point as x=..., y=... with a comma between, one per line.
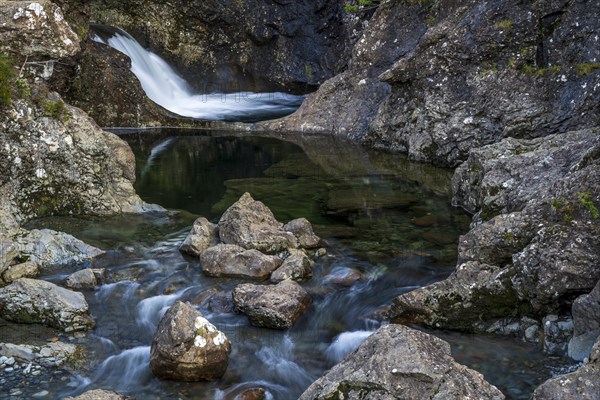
x=9, y=361
x=9, y=369
x=43, y=393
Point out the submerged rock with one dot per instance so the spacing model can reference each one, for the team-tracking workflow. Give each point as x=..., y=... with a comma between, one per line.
x=99, y=394
x=229, y=260
x=85, y=278
x=53, y=354
x=583, y=384
x=250, y=224
x=272, y=306
x=397, y=362
x=34, y=301
x=50, y=248
x=186, y=347
x=297, y=267
x=303, y=231
x=203, y=235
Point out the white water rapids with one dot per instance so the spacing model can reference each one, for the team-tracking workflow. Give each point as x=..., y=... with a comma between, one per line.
x=166, y=88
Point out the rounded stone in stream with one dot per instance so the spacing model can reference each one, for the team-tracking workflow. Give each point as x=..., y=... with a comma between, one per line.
x=251, y=225
x=230, y=260
x=297, y=267
x=186, y=347
x=272, y=306
x=203, y=235
x=35, y=301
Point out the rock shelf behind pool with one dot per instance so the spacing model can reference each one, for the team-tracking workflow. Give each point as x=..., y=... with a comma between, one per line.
x=186, y=347
x=34, y=301
x=272, y=306
x=397, y=362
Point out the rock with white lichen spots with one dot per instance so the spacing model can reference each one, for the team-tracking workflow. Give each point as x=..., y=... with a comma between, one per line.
x=187, y=347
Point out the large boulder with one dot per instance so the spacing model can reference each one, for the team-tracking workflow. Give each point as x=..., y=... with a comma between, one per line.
x=34, y=301
x=297, y=267
x=399, y=363
x=583, y=384
x=203, y=235
x=250, y=224
x=230, y=260
x=36, y=28
x=50, y=248
x=186, y=347
x=272, y=306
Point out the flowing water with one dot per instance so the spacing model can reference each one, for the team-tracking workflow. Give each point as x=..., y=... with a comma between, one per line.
x=389, y=228
x=165, y=87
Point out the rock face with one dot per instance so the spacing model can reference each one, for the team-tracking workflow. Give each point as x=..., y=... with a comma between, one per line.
x=272, y=306
x=525, y=266
x=437, y=81
x=186, y=347
x=397, y=362
x=306, y=41
x=34, y=301
x=583, y=384
x=297, y=267
x=250, y=224
x=203, y=235
x=234, y=261
x=50, y=248
x=35, y=29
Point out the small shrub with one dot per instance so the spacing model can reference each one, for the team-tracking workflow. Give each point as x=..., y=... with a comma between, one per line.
x=22, y=88
x=56, y=110
x=7, y=74
x=586, y=68
x=585, y=199
x=504, y=24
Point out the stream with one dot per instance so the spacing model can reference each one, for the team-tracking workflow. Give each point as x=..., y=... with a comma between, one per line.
x=389, y=228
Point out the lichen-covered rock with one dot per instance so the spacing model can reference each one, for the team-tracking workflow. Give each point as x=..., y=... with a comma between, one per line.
x=297, y=267
x=230, y=260
x=36, y=28
x=203, y=235
x=303, y=231
x=586, y=324
x=29, y=269
x=532, y=262
x=583, y=384
x=76, y=169
x=34, y=301
x=86, y=278
x=50, y=248
x=250, y=224
x=397, y=362
x=53, y=354
x=186, y=347
x=272, y=306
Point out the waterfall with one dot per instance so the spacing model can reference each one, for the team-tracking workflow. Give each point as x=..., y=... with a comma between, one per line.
x=167, y=89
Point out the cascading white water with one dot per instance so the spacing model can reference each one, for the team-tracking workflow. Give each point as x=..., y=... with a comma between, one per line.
x=163, y=86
